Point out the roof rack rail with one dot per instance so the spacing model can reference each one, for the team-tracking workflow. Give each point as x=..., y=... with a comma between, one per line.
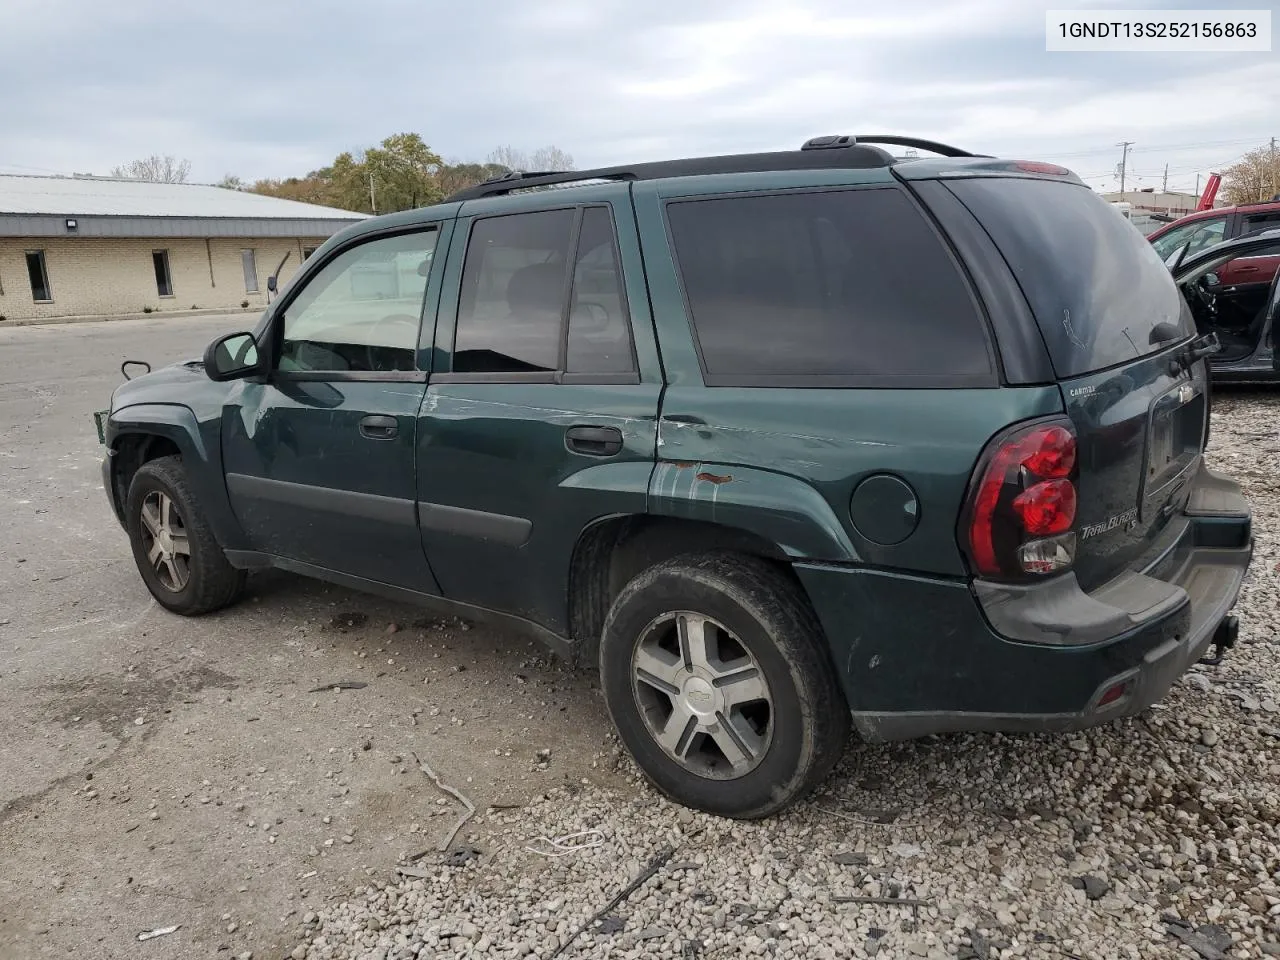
x=853, y=156
x=845, y=140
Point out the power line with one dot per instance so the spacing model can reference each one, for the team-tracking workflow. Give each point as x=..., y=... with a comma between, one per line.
x=1168, y=148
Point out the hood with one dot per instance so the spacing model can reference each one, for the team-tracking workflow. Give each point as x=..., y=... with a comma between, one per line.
x=177, y=383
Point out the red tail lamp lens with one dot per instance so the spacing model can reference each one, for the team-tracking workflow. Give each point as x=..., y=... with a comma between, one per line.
x=1052, y=452
x=1024, y=491
x=1047, y=508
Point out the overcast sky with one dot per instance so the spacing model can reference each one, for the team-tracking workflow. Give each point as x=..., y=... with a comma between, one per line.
x=260, y=88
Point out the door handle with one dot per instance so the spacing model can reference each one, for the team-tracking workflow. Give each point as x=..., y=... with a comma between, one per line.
x=379, y=428
x=1248, y=269
x=594, y=441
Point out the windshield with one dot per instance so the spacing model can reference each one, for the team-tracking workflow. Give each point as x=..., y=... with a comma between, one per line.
x=1096, y=286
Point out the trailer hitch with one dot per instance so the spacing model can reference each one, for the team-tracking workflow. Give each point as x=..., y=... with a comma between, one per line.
x=1224, y=638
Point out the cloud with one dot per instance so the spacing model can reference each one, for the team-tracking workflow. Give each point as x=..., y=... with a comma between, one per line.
x=262, y=89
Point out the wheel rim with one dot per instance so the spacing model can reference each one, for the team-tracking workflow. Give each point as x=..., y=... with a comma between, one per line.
x=703, y=696
x=164, y=538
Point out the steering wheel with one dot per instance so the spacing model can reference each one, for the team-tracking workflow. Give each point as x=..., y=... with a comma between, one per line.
x=1206, y=298
x=383, y=342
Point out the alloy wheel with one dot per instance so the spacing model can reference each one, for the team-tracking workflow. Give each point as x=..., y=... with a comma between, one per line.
x=164, y=537
x=703, y=696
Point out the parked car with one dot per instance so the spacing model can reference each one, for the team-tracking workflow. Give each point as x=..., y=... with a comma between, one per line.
x=1243, y=315
x=781, y=443
x=1248, y=277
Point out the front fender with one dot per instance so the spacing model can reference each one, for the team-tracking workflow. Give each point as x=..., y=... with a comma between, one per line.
x=777, y=507
x=201, y=450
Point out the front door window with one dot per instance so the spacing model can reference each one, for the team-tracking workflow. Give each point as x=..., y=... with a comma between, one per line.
x=362, y=311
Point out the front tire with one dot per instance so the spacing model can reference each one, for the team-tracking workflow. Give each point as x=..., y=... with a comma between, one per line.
x=173, y=547
x=717, y=676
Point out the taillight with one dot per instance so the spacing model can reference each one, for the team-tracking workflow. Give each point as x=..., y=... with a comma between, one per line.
x=1022, y=504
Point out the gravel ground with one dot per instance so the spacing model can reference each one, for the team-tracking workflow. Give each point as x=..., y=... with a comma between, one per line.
x=1153, y=837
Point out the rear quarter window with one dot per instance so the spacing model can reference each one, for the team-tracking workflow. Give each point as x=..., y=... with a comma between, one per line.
x=1096, y=286
x=825, y=288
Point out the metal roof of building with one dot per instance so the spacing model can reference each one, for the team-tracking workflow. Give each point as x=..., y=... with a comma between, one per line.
x=106, y=197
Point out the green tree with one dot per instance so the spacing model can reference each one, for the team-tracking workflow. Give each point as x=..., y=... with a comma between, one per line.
x=453, y=177
x=402, y=171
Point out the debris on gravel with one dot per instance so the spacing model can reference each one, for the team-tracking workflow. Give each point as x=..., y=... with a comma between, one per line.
x=1156, y=836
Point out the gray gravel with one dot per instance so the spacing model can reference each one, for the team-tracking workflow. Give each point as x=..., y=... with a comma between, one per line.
x=1090, y=846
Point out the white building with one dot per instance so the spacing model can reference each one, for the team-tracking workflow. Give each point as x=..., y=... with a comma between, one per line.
x=94, y=246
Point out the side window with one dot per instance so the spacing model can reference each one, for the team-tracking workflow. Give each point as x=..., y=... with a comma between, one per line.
x=513, y=286
x=1200, y=234
x=849, y=283
x=362, y=311
x=599, y=327
x=1258, y=222
x=1207, y=235
x=518, y=293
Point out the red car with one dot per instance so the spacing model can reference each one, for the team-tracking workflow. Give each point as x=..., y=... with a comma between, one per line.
x=1240, y=284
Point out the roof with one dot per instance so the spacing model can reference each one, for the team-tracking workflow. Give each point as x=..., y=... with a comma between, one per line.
x=838, y=151
x=1261, y=206
x=106, y=207
x=107, y=197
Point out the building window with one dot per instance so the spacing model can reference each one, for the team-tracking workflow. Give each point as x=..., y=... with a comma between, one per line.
x=250, y=263
x=36, y=269
x=307, y=252
x=164, y=282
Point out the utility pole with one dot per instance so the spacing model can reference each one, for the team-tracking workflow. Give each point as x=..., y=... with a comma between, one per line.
x=1124, y=159
x=1274, y=191
x=373, y=201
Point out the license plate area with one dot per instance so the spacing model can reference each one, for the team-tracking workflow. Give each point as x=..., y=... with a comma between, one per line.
x=1175, y=434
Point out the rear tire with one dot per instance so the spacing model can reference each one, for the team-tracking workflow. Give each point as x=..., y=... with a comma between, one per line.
x=750, y=724
x=173, y=547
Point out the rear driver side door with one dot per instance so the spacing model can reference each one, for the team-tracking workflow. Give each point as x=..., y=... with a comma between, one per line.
x=540, y=417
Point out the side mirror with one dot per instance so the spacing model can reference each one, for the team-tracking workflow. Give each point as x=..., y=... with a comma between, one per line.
x=271, y=283
x=231, y=357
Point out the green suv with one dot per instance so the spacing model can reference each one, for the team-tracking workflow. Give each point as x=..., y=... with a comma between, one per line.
x=784, y=442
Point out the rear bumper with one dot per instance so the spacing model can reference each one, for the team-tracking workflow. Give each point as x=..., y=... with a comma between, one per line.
x=919, y=656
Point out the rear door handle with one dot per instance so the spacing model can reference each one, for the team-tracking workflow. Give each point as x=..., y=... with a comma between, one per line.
x=379, y=428
x=594, y=441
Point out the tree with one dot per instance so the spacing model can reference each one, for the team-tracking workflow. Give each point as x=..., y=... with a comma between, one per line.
x=551, y=159
x=453, y=177
x=155, y=168
x=232, y=182
x=544, y=159
x=402, y=173
x=1254, y=177
x=309, y=189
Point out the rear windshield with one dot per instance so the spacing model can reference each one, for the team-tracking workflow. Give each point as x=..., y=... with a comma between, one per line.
x=1096, y=286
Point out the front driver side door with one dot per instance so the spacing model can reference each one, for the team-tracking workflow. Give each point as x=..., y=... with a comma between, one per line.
x=320, y=458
